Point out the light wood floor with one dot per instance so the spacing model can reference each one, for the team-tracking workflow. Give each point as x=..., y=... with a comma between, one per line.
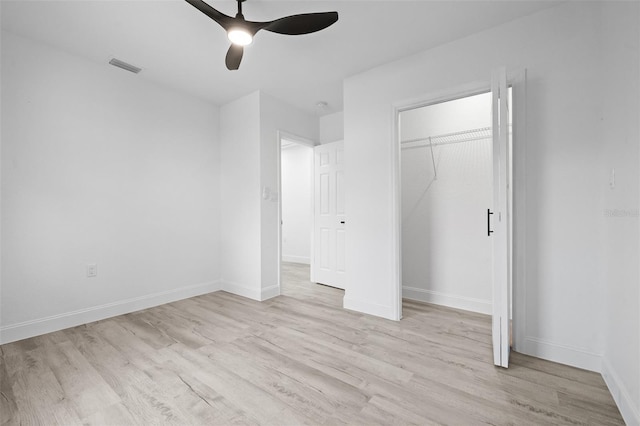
x=298, y=359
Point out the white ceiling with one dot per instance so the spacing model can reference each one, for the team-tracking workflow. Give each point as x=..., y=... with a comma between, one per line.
x=179, y=47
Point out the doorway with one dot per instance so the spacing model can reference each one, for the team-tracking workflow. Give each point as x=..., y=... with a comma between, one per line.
x=504, y=214
x=296, y=205
x=311, y=211
x=446, y=188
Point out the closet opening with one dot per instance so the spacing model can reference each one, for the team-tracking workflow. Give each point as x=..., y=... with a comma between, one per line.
x=446, y=202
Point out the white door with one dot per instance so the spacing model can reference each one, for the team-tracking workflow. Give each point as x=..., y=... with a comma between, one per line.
x=498, y=220
x=328, y=263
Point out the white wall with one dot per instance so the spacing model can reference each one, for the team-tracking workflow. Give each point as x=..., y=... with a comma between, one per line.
x=471, y=112
x=250, y=151
x=332, y=127
x=446, y=254
x=621, y=140
x=100, y=166
x=560, y=48
x=276, y=116
x=296, y=203
x=240, y=194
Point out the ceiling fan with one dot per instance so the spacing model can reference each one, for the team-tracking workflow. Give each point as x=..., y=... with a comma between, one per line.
x=241, y=32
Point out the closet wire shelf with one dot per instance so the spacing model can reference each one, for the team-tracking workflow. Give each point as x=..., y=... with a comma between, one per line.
x=448, y=138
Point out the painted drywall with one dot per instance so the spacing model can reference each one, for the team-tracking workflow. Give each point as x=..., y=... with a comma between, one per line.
x=446, y=253
x=296, y=165
x=240, y=194
x=276, y=116
x=332, y=127
x=250, y=152
x=560, y=48
x=99, y=166
x=471, y=112
x=621, y=140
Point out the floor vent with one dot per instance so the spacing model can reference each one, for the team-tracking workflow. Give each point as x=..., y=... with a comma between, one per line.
x=125, y=66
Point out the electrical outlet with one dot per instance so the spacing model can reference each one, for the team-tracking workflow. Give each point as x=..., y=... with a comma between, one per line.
x=92, y=270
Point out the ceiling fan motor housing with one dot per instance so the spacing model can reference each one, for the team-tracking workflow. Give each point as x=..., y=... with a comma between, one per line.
x=241, y=32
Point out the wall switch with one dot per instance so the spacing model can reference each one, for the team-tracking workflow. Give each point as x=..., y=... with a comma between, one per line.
x=266, y=193
x=92, y=270
x=612, y=178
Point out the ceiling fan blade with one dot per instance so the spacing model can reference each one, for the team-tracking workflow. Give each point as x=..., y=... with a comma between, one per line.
x=234, y=57
x=305, y=23
x=219, y=17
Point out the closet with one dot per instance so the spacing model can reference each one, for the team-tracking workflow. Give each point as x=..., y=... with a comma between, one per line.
x=446, y=181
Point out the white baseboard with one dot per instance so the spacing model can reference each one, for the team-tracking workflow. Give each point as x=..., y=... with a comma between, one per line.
x=563, y=354
x=449, y=300
x=369, y=308
x=254, y=293
x=24, y=330
x=630, y=411
x=296, y=259
x=270, y=292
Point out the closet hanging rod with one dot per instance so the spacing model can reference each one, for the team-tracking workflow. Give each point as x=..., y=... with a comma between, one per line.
x=448, y=138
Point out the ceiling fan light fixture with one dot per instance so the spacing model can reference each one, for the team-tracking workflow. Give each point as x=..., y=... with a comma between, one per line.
x=239, y=36
x=240, y=31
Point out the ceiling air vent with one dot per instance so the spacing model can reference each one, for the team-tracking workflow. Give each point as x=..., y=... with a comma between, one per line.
x=125, y=66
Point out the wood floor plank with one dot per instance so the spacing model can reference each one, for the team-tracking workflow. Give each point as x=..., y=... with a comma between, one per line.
x=8, y=409
x=299, y=396
x=298, y=359
x=39, y=397
x=80, y=382
x=259, y=405
x=145, y=397
x=116, y=414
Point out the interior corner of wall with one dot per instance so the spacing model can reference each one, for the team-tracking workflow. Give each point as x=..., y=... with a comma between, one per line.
x=629, y=409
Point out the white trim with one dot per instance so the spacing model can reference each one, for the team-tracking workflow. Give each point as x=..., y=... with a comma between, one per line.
x=450, y=300
x=517, y=79
x=282, y=134
x=254, y=293
x=396, y=185
x=24, y=330
x=396, y=212
x=446, y=95
x=564, y=354
x=269, y=292
x=369, y=308
x=518, y=82
x=296, y=259
x=620, y=394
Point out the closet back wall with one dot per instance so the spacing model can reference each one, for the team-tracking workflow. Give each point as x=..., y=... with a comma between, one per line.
x=446, y=254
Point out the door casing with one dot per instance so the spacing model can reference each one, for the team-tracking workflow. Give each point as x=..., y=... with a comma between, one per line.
x=282, y=134
x=516, y=80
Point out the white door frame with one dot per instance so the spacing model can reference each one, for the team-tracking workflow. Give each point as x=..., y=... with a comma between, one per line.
x=282, y=134
x=517, y=81
x=501, y=223
x=422, y=101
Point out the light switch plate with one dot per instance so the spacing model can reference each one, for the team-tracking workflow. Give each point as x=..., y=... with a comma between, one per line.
x=92, y=270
